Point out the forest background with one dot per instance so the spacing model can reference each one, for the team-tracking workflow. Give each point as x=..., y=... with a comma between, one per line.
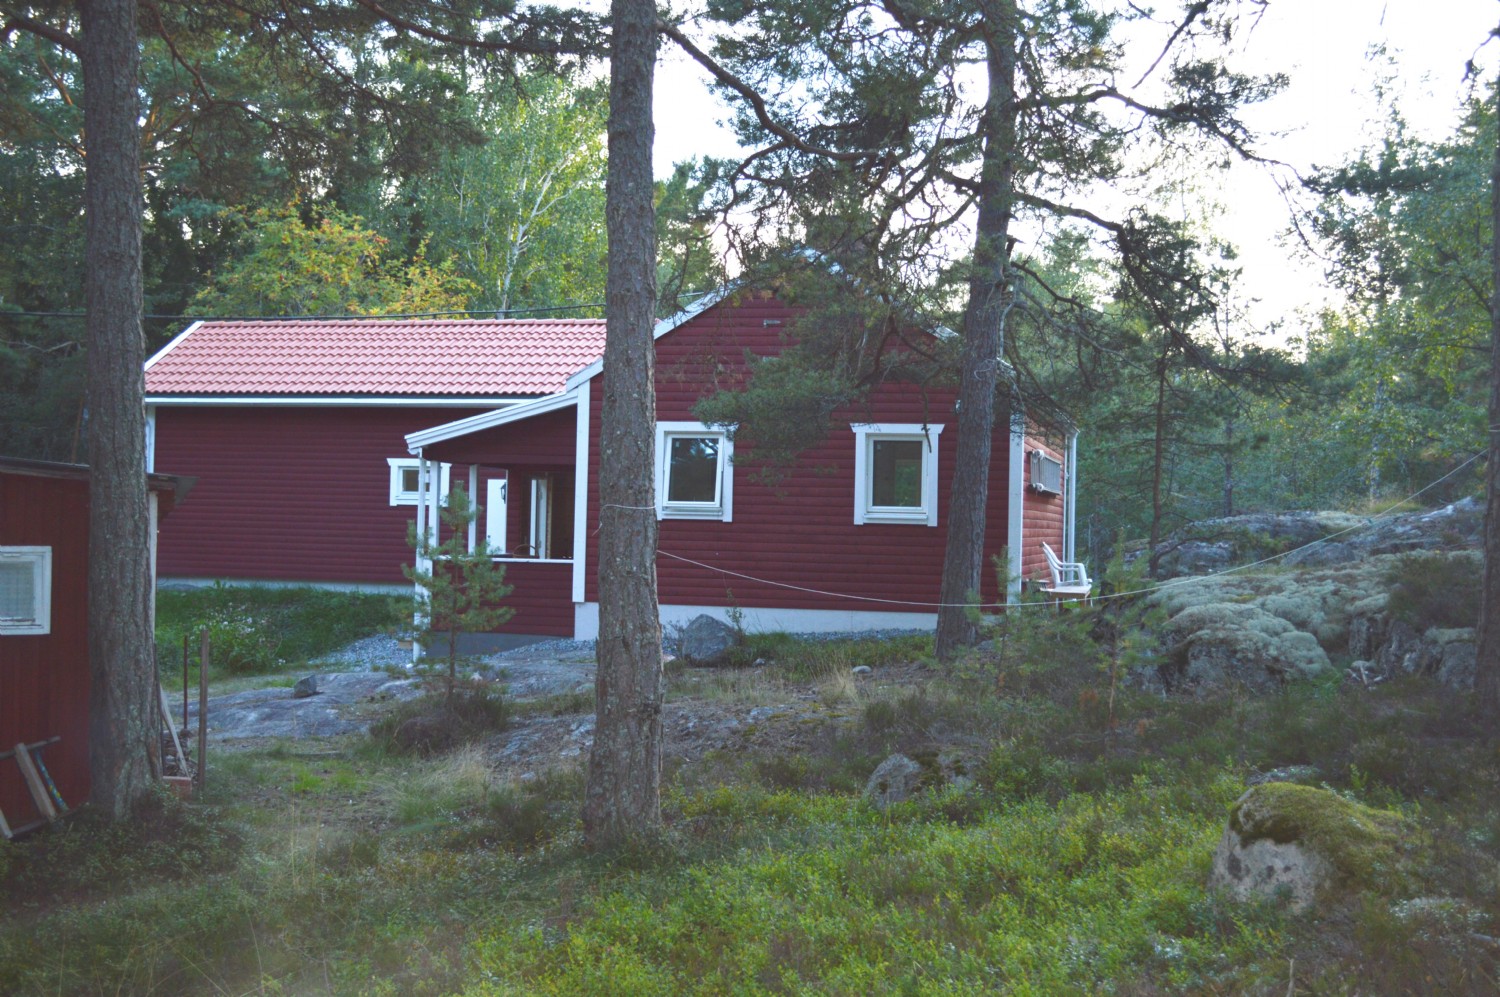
x=438, y=189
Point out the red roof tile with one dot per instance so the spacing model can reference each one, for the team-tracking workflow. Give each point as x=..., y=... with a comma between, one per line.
x=481, y=357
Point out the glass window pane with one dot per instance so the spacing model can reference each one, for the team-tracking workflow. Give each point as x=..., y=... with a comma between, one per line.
x=896, y=478
x=17, y=589
x=693, y=469
x=410, y=479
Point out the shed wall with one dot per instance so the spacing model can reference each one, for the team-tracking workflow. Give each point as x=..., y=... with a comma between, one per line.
x=1042, y=515
x=44, y=678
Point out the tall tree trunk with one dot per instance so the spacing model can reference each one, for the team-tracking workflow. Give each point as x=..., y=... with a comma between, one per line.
x=1487, y=671
x=122, y=707
x=984, y=338
x=623, y=796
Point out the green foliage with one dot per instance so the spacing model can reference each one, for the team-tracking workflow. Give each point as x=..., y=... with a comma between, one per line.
x=256, y=629
x=521, y=215
x=458, y=589
x=325, y=263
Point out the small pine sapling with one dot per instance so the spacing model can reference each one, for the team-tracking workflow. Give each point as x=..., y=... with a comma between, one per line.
x=458, y=590
x=1134, y=620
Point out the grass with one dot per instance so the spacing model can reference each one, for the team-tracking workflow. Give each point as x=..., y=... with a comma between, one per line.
x=1074, y=863
x=258, y=630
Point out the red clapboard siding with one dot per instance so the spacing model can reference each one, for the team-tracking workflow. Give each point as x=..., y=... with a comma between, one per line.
x=542, y=598
x=288, y=493
x=547, y=439
x=1041, y=516
x=44, y=679
x=801, y=530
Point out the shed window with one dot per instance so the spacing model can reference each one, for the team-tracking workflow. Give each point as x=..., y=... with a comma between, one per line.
x=694, y=472
x=25, y=590
x=895, y=473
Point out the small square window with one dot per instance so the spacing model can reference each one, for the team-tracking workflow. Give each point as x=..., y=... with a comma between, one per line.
x=25, y=590
x=895, y=473
x=406, y=480
x=695, y=475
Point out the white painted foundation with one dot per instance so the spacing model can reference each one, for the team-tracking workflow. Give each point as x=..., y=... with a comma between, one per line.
x=586, y=619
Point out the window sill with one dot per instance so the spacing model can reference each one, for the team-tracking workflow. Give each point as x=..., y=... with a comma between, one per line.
x=679, y=512
x=917, y=517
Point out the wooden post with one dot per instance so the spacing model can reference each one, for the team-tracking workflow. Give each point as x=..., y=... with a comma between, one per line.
x=185, y=640
x=203, y=657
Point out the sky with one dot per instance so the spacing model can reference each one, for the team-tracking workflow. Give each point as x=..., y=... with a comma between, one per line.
x=1327, y=113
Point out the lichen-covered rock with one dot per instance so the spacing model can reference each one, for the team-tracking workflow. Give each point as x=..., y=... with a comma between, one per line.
x=1322, y=555
x=1300, y=841
x=894, y=780
x=1237, y=644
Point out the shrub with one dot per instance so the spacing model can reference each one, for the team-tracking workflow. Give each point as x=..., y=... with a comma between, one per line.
x=433, y=724
x=1432, y=589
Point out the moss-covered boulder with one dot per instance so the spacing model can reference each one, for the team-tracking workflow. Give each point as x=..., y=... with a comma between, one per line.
x=1300, y=842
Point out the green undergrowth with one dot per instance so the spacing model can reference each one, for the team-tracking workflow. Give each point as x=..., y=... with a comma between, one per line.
x=1073, y=858
x=254, y=630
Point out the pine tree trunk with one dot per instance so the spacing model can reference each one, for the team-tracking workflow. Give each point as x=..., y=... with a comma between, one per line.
x=984, y=338
x=623, y=795
x=122, y=707
x=1487, y=671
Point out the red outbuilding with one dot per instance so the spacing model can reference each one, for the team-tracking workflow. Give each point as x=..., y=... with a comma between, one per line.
x=44, y=651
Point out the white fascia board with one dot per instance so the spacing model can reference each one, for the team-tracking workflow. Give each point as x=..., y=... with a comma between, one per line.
x=1016, y=505
x=663, y=327
x=175, y=340
x=581, y=493
x=335, y=401
x=488, y=420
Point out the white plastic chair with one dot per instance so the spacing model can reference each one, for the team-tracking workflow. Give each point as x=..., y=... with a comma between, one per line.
x=1070, y=579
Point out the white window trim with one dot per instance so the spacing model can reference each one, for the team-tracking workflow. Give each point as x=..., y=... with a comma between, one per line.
x=40, y=622
x=723, y=509
x=401, y=496
x=865, y=435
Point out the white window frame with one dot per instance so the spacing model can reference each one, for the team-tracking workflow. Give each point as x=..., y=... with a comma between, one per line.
x=723, y=508
x=40, y=622
x=402, y=496
x=865, y=437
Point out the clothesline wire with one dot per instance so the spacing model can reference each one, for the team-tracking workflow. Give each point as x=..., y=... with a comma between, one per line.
x=1172, y=583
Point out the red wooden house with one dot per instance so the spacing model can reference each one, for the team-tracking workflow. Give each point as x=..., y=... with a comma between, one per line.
x=296, y=432
x=851, y=538
x=44, y=653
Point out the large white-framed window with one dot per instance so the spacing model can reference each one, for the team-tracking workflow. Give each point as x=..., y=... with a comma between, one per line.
x=406, y=478
x=895, y=473
x=694, y=472
x=25, y=590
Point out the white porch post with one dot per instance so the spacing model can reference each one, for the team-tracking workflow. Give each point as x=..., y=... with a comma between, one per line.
x=1070, y=500
x=473, y=498
x=424, y=564
x=1015, y=527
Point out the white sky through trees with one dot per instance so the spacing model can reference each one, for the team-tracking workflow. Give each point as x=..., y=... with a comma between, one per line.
x=1336, y=53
